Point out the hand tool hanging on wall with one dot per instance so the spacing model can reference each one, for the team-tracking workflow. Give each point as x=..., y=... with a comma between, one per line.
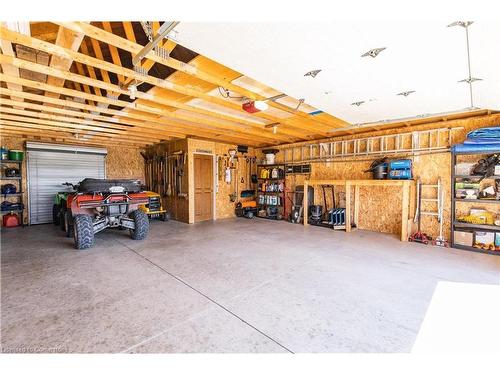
x=183, y=164
x=220, y=168
x=168, y=175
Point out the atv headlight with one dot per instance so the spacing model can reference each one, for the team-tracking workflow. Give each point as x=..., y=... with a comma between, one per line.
x=116, y=189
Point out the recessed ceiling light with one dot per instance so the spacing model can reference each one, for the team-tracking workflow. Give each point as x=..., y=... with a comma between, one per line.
x=328, y=92
x=373, y=52
x=357, y=104
x=470, y=80
x=406, y=93
x=312, y=73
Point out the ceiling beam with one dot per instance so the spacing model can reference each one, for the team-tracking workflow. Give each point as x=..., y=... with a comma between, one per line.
x=293, y=128
x=186, y=115
x=158, y=123
x=13, y=130
x=117, y=41
x=66, y=39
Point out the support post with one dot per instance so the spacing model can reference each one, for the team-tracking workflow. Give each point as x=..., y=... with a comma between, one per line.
x=305, y=203
x=347, y=206
x=405, y=200
x=356, y=205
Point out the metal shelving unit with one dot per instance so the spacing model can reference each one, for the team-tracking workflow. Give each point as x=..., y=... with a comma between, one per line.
x=469, y=226
x=19, y=193
x=279, y=194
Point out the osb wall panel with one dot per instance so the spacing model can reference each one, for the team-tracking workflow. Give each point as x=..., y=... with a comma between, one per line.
x=380, y=207
x=121, y=162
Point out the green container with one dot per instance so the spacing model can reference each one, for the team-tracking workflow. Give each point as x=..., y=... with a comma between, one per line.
x=16, y=155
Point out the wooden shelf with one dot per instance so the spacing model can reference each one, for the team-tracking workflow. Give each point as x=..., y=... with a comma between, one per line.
x=473, y=177
x=488, y=201
x=9, y=211
x=10, y=161
x=271, y=179
x=10, y=178
x=474, y=249
x=476, y=226
x=5, y=196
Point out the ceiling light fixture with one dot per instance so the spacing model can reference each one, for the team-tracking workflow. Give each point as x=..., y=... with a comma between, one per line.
x=464, y=24
x=357, y=104
x=373, y=52
x=132, y=90
x=469, y=80
x=254, y=106
x=312, y=73
x=406, y=93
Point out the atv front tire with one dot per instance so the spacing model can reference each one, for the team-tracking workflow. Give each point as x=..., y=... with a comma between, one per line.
x=141, y=222
x=68, y=223
x=83, y=232
x=55, y=214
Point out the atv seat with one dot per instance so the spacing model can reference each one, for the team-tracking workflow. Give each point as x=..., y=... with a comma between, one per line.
x=96, y=185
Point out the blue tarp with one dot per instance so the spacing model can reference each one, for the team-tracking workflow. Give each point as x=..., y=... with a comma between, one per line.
x=493, y=148
x=492, y=132
x=482, y=141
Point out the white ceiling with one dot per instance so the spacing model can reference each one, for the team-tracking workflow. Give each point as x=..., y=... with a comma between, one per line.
x=421, y=55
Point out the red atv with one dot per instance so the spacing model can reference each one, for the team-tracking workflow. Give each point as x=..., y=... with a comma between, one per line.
x=99, y=204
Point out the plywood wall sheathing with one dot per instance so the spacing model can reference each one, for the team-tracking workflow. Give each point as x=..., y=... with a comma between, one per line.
x=377, y=211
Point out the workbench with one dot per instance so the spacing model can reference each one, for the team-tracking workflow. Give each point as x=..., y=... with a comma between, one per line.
x=405, y=185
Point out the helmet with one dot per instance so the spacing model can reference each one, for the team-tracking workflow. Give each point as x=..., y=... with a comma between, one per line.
x=12, y=172
x=9, y=189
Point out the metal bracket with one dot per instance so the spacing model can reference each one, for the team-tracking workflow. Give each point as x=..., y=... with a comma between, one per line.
x=163, y=31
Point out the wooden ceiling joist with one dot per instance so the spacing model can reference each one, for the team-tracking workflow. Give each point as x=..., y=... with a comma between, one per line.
x=66, y=39
x=185, y=115
x=134, y=48
x=303, y=131
x=145, y=121
x=75, y=133
x=68, y=138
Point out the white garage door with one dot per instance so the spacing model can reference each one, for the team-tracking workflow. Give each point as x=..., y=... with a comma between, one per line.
x=49, y=166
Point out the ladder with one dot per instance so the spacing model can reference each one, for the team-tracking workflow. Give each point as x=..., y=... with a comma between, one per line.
x=438, y=200
x=410, y=142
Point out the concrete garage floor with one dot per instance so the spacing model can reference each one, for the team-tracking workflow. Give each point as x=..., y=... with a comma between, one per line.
x=233, y=285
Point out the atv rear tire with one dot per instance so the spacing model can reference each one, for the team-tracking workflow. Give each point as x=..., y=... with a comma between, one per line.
x=62, y=215
x=141, y=222
x=55, y=214
x=83, y=232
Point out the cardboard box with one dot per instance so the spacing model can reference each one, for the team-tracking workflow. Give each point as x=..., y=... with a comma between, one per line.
x=463, y=238
x=497, y=170
x=464, y=168
x=484, y=238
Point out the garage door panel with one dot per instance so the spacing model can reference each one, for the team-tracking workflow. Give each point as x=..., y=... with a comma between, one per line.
x=48, y=170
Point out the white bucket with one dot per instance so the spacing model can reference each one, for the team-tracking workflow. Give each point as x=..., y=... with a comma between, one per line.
x=270, y=158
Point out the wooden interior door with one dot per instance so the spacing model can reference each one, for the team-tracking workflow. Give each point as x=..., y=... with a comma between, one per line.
x=203, y=187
